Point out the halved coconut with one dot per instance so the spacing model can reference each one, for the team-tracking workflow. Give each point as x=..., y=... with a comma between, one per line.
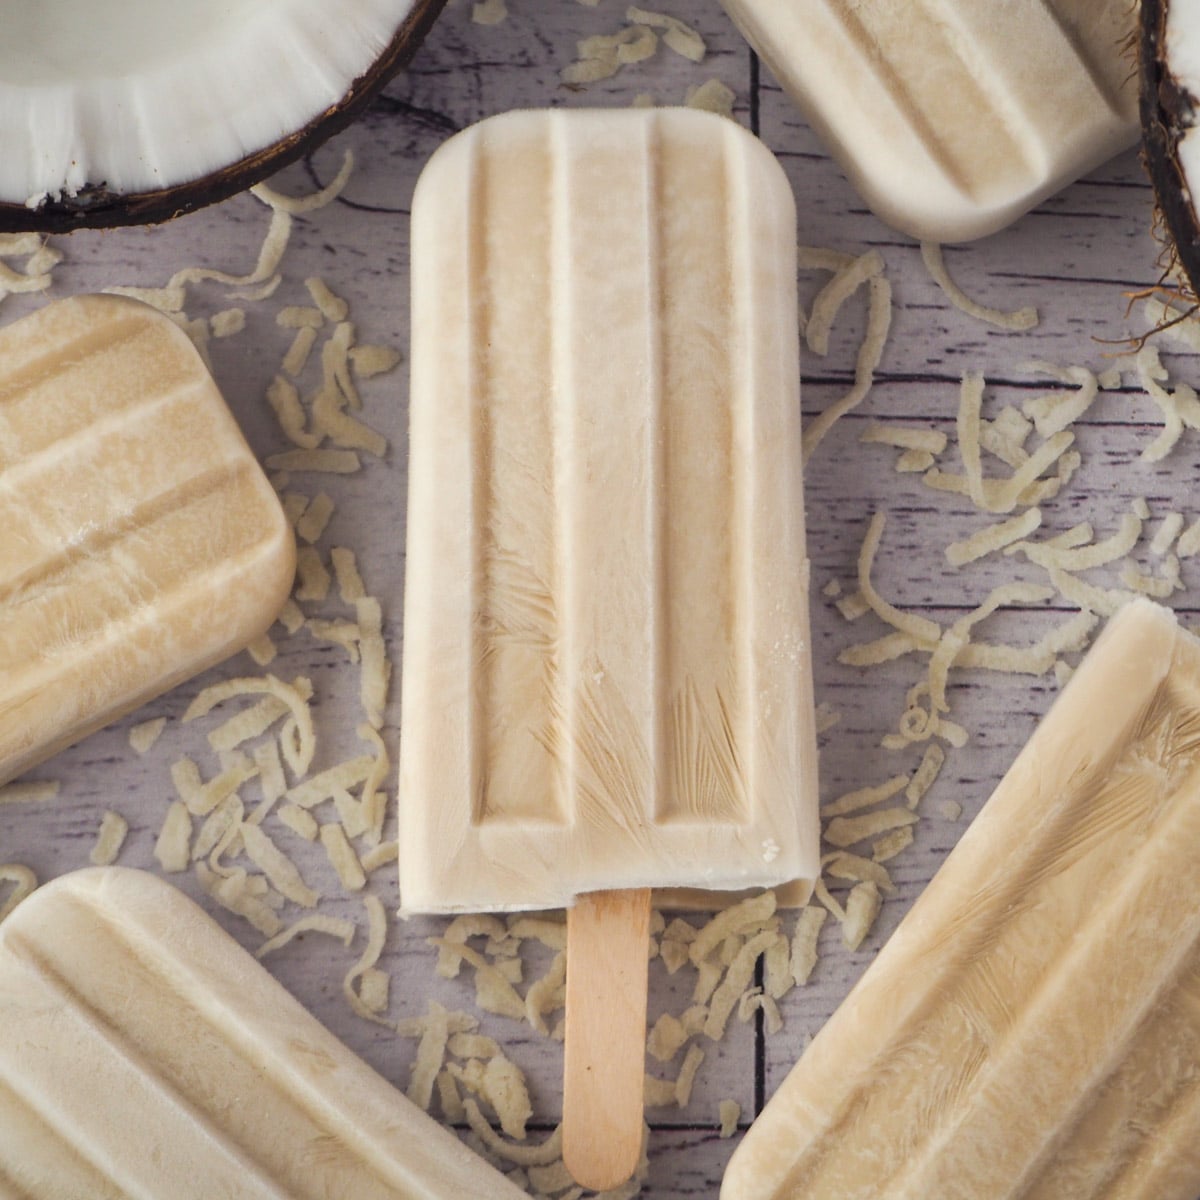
x=1169, y=69
x=117, y=112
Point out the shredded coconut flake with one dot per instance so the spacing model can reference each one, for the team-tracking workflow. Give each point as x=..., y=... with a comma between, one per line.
x=848, y=831
x=862, y=907
x=925, y=775
x=334, y=462
x=892, y=843
x=904, y=437
x=1020, y=320
x=113, y=831
x=333, y=927
x=489, y=12
x=864, y=797
x=879, y=320
x=825, y=308
x=23, y=882
x=299, y=352
x=29, y=792
x=173, y=847
x=993, y=537
x=681, y=38
x=1168, y=531
x=712, y=96
x=729, y=1112
x=143, y=736
x=342, y=856
x=298, y=205
x=919, y=628
x=1052, y=414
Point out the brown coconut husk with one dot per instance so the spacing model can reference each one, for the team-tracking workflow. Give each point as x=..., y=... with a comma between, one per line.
x=1167, y=111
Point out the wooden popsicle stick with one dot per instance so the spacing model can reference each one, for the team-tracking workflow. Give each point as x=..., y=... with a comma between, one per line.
x=604, y=1062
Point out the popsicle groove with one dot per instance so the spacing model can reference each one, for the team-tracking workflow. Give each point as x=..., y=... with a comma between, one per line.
x=50, y=555
x=610, y=412
x=745, y=378
x=149, y=523
x=663, y=748
x=157, y=1049
x=952, y=118
x=64, y=394
x=116, y=629
x=478, y=483
x=49, y=364
x=85, y=439
x=125, y=478
x=514, y=592
x=705, y=474
x=8, y=1190
x=337, y=1137
x=871, y=38
x=563, y=703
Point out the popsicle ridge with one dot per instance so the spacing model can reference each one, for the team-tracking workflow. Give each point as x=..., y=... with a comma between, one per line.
x=51, y=393
x=516, y=635
x=1010, y=1007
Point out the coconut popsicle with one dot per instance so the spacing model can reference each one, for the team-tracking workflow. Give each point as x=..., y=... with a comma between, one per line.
x=954, y=117
x=145, y=1053
x=1030, y=1029
x=142, y=542
x=606, y=679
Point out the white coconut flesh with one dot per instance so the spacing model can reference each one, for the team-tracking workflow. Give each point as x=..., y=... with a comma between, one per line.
x=130, y=96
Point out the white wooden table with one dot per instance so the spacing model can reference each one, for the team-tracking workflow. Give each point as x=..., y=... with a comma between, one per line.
x=1074, y=259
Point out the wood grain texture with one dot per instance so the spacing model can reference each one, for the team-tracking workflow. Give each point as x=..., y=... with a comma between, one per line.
x=604, y=1057
x=1074, y=258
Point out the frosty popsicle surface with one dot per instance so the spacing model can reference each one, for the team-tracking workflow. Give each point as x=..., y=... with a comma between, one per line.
x=142, y=542
x=954, y=117
x=1030, y=1029
x=145, y=1053
x=606, y=678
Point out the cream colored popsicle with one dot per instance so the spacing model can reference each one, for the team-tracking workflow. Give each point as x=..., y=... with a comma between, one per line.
x=954, y=117
x=606, y=678
x=146, y=1055
x=142, y=542
x=1032, y=1028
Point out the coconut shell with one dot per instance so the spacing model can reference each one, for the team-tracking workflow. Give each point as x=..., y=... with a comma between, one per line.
x=1168, y=111
x=96, y=207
